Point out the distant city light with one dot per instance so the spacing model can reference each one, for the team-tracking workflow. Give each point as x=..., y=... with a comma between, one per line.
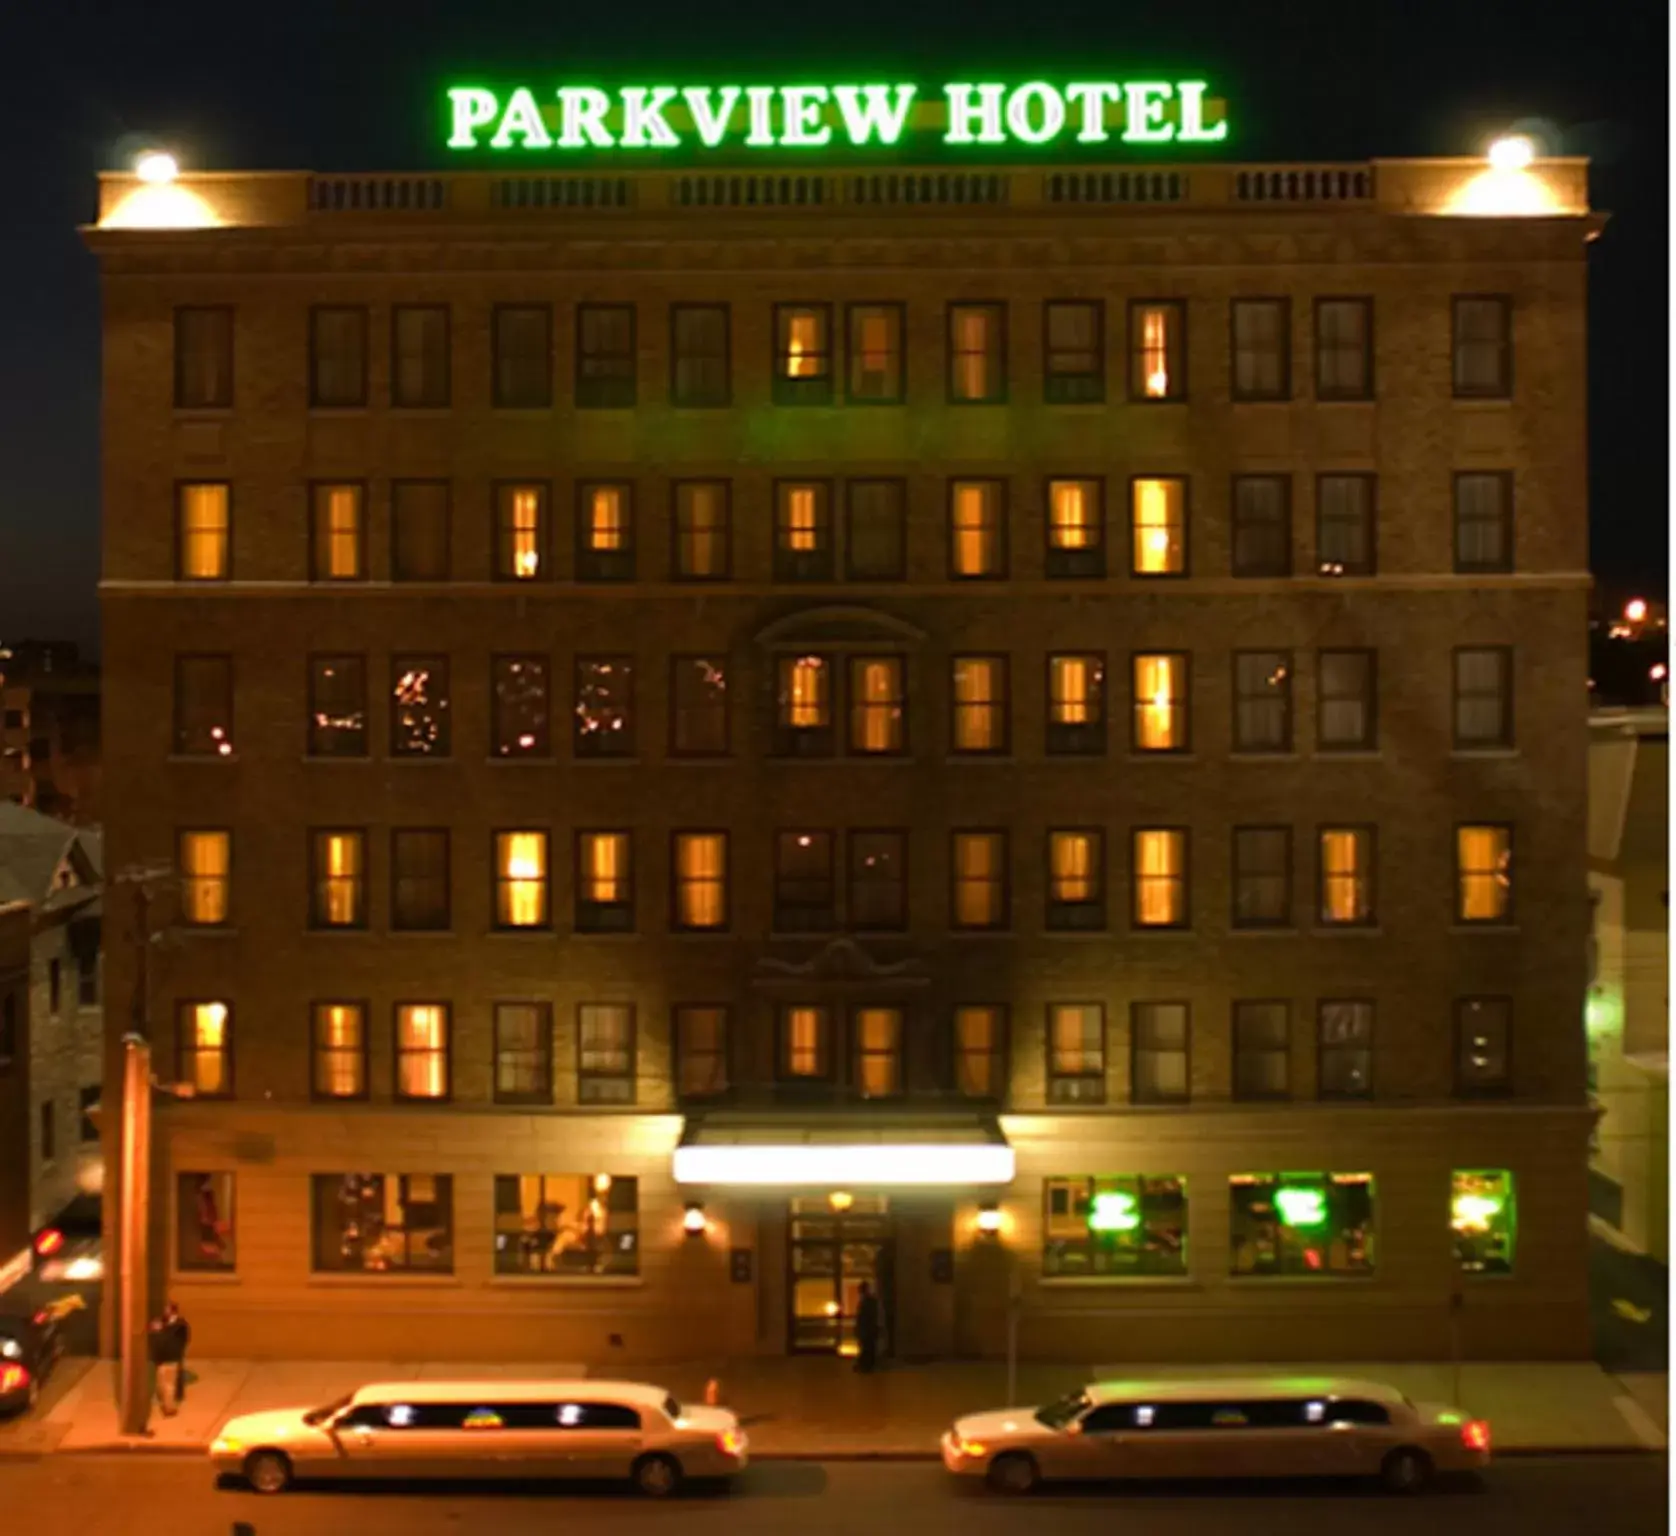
x=156, y=168
x=1514, y=152
x=1635, y=610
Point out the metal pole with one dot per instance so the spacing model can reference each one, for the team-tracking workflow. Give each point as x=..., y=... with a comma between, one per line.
x=1015, y=1298
x=1457, y=1303
x=135, y=1214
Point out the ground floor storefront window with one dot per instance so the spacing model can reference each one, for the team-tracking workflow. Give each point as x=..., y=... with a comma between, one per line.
x=1301, y=1224
x=566, y=1224
x=1114, y=1224
x=377, y=1223
x=204, y=1221
x=1483, y=1215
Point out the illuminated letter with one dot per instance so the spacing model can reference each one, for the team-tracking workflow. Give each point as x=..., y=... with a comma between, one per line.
x=1052, y=110
x=710, y=122
x=583, y=122
x=803, y=115
x=473, y=108
x=1192, y=129
x=1143, y=115
x=867, y=109
x=522, y=116
x=762, y=122
x=643, y=124
x=1093, y=99
x=962, y=111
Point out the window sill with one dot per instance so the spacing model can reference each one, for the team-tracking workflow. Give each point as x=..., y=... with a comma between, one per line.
x=337, y=933
x=346, y=757
x=388, y=1277
x=1490, y=753
x=202, y=931
x=1347, y=754
x=1163, y=757
x=1277, y=931
x=1263, y=757
x=625, y=760
x=1119, y=1282
x=1502, y=928
x=965, y=759
x=544, y=931
x=190, y=1277
x=568, y=1282
x=420, y=933
x=429, y=760
x=1306, y=1282
x=201, y=757
x=1174, y=932
x=1347, y=930
x=532, y=759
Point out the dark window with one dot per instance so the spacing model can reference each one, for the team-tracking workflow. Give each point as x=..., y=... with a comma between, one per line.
x=605, y=531
x=803, y=531
x=878, y=886
x=1074, y=352
x=419, y=530
x=1347, y=701
x=1484, y=696
x=875, y=354
x=802, y=354
x=1076, y=722
x=1076, y=528
x=1160, y=1033
x=1345, y=1040
x=698, y=706
x=340, y=1050
x=1345, y=539
x=875, y=544
x=204, y=706
x=55, y=985
x=1347, y=876
x=520, y=707
x=89, y=1104
x=87, y=980
x=977, y=354
x=701, y=1065
x=523, y=1053
x=337, y=706
x=1262, y=877
x=980, y=718
x=1482, y=1045
x=1076, y=887
x=203, y=358
x=1483, y=346
x=604, y=719
x=1262, y=701
x=8, y=1030
x=980, y=1051
x=1262, y=525
x=421, y=722
x=419, y=881
x=376, y=1223
x=698, y=367
x=1157, y=350
x=520, y=532
x=805, y=883
x=1344, y=349
x=49, y=1131
x=204, y=1230
x=1303, y=1224
x=337, y=357
x=605, y=356
x=419, y=355
x=1484, y=521
x=1076, y=1053
x=574, y=1225
x=1262, y=344
x=338, y=879
x=604, y=882
x=1262, y=1050
x=702, y=532
x=605, y=1053
x=523, y=356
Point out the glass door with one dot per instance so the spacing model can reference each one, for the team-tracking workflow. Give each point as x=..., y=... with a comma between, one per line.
x=836, y=1243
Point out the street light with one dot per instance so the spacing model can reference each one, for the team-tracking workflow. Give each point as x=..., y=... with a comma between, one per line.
x=1512, y=152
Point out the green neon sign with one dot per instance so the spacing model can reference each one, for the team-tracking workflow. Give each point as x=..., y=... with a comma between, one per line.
x=1114, y=1211
x=1301, y=1207
x=544, y=120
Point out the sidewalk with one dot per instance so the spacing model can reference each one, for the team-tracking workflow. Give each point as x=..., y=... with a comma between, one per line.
x=819, y=1408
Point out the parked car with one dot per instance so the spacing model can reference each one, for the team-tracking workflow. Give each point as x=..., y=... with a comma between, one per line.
x=29, y=1348
x=488, y=1429
x=1258, y=1427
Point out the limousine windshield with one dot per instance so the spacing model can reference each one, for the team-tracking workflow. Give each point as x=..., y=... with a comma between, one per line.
x=331, y=1410
x=1057, y=1415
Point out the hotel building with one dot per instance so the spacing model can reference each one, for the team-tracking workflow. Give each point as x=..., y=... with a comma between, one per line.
x=1014, y=732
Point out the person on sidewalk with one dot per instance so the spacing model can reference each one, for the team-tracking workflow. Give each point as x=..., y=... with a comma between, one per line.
x=170, y=1334
x=867, y=1329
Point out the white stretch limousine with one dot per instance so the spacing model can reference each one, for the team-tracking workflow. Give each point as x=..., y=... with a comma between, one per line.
x=482, y=1429
x=1258, y=1427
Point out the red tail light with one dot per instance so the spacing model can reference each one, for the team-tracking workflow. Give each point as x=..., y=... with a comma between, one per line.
x=1475, y=1435
x=730, y=1442
x=48, y=1241
x=13, y=1377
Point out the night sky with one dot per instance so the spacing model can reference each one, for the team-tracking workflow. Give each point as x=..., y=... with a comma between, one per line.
x=356, y=86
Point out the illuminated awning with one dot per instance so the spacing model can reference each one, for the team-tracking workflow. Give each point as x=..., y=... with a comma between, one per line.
x=778, y=1153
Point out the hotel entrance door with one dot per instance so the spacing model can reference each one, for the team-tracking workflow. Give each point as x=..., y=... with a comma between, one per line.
x=836, y=1242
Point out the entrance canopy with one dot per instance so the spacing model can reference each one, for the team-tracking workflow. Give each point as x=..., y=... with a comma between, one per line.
x=778, y=1152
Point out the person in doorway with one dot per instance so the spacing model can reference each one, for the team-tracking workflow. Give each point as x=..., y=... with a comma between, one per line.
x=867, y=1329
x=169, y=1335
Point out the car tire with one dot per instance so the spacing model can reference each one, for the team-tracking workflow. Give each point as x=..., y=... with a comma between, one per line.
x=1406, y=1470
x=657, y=1477
x=268, y=1471
x=1015, y=1474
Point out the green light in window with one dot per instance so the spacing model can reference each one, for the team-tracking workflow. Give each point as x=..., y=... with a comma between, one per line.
x=1114, y=1210
x=1300, y=1207
x=1474, y=1212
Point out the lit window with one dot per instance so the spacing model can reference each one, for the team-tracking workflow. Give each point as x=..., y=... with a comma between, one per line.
x=605, y=533
x=1262, y=349
x=605, y=360
x=204, y=1231
x=337, y=706
x=419, y=530
x=1076, y=529
x=875, y=354
x=701, y=1052
x=698, y=693
x=1482, y=1036
x=1076, y=1053
x=204, y=1049
x=205, y=877
x=802, y=532
x=340, y=1051
x=877, y=705
x=1160, y=877
x=1074, y=361
x=980, y=704
x=700, y=880
x=702, y=544
x=1484, y=697
x=419, y=356
x=979, y=1051
x=1262, y=525
x=520, y=532
x=805, y=1043
x=980, y=879
x=605, y=1053
x=1301, y=1224
x=378, y=1223
x=1160, y=683
x=1347, y=875
x=1344, y=525
x=521, y=880
x=1076, y=723
x=419, y=894
x=878, y=1051
x=1262, y=701
x=1483, y=874
x=1345, y=1041
x=1158, y=514
x=1262, y=1050
x=1159, y=1033
x=1344, y=349
x=567, y=1224
x=804, y=716
x=1483, y=1217
x=520, y=708
x=420, y=722
x=203, y=358
x=803, y=354
x=1157, y=351
x=203, y=550
x=337, y=357
x=1483, y=345
x=340, y=879
x=339, y=533
x=1262, y=877
x=604, y=716
x=699, y=357
x=977, y=357
x=1484, y=521
x=604, y=883
x=977, y=547
x=1076, y=880
x=1115, y=1224
x=523, y=1053
x=422, y=1051
x=1347, y=720
x=523, y=360
x=878, y=888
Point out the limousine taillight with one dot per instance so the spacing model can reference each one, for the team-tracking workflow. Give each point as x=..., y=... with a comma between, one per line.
x=1475, y=1434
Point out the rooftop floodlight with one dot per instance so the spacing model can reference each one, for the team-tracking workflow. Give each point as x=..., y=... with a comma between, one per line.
x=1512, y=152
x=156, y=167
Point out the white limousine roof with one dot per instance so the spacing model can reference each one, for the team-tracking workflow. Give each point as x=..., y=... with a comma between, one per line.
x=639, y=1393
x=1243, y=1388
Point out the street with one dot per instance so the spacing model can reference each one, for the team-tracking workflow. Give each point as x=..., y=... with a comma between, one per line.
x=169, y=1496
